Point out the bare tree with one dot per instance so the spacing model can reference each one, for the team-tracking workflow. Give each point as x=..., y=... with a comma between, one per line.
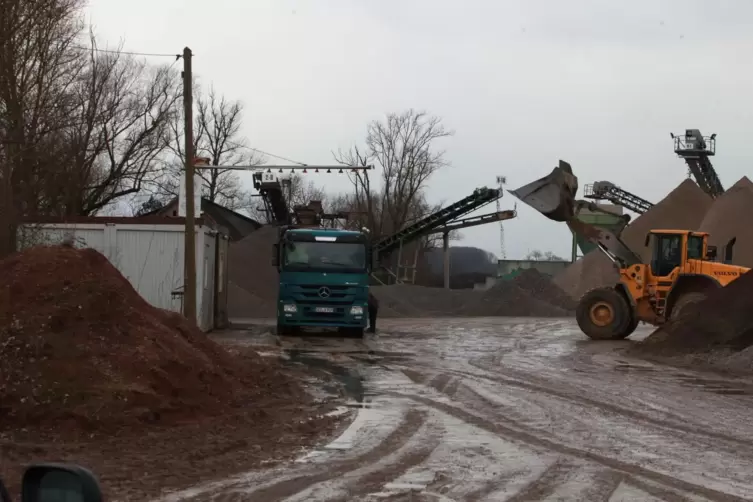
x=123, y=108
x=297, y=191
x=537, y=255
x=217, y=136
x=302, y=191
x=79, y=128
x=38, y=63
x=403, y=147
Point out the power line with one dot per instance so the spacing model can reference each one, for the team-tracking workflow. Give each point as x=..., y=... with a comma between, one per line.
x=239, y=145
x=130, y=53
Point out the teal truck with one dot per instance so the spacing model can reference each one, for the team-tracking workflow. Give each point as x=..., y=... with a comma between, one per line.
x=324, y=279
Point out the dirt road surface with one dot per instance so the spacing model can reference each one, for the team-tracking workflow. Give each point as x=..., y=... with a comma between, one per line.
x=508, y=410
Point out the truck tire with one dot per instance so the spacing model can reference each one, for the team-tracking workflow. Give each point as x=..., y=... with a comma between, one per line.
x=686, y=303
x=283, y=330
x=351, y=332
x=605, y=314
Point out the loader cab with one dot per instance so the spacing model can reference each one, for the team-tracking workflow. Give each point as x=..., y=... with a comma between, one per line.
x=666, y=252
x=670, y=249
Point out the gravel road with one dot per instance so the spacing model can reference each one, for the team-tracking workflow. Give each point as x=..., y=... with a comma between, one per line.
x=508, y=409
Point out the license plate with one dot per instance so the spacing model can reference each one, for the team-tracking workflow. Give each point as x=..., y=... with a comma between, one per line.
x=324, y=310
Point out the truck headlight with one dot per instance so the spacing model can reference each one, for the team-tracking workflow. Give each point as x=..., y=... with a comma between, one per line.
x=356, y=310
x=290, y=308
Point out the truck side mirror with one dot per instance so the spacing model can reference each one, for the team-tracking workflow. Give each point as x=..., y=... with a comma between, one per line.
x=53, y=482
x=711, y=253
x=275, y=255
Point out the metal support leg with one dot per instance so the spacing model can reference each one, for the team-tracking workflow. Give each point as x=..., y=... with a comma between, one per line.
x=446, y=256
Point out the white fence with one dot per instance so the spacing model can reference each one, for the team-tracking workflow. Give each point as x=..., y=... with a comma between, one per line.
x=150, y=256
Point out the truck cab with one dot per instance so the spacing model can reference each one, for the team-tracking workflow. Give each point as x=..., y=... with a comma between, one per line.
x=324, y=279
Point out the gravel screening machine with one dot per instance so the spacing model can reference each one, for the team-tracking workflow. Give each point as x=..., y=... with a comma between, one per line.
x=682, y=270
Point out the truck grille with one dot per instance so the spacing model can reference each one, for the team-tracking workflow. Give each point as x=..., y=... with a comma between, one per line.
x=309, y=293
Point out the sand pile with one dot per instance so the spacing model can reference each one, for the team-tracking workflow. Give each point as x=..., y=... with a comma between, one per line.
x=81, y=350
x=684, y=208
x=252, y=275
x=723, y=320
x=729, y=217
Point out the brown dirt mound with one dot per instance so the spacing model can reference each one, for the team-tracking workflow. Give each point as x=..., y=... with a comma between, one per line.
x=723, y=320
x=80, y=349
x=540, y=286
x=726, y=219
x=250, y=267
x=684, y=208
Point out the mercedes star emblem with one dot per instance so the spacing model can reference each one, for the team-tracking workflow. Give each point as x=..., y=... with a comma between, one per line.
x=324, y=292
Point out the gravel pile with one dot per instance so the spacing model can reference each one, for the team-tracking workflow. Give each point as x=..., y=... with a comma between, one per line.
x=81, y=351
x=506, y=298
x=724, y=320
x=541, y=286
x=254, y=281
x=727, y=219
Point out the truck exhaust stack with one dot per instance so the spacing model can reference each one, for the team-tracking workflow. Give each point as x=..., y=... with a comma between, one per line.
x=553, y=195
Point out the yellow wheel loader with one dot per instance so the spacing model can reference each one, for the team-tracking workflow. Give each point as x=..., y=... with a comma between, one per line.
x=681, y=273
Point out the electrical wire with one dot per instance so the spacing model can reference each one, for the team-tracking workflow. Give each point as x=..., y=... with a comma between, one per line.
x=129, y=53
x=239, y=145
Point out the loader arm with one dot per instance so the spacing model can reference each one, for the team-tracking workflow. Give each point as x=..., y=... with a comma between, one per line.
x=609, y=243
x=554, y=197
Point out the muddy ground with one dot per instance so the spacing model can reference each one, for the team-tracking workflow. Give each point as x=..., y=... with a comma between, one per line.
x=506, y=409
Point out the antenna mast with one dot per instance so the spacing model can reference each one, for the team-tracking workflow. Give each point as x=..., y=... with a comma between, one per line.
x=501, y=181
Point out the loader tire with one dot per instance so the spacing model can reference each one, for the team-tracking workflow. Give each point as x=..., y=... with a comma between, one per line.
x=605, y=314
x=632, y=326
x=685, y=304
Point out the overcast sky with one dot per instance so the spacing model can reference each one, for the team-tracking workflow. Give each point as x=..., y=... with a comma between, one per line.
x=522, y=83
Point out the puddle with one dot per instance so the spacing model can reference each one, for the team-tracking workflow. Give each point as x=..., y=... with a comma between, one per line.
x=352, y=382
x=362, y=405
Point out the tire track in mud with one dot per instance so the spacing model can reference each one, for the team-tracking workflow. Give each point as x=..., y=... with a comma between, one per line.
x=590, y=402
x=443, y=382
x=658, y=492
x=546, y=484
x=374, y=481
x=398, y=438
x=521, y=435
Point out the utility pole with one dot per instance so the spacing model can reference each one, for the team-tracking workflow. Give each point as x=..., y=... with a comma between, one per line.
x=189, y=284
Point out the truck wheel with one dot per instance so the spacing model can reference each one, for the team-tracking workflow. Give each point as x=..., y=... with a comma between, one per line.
x=283, y=330
x=604, y=314
x=352, y=332
x=685, y=304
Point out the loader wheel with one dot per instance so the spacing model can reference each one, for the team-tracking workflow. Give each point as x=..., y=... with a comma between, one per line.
x=631, y=327
x=605, y=314
x=685, y=304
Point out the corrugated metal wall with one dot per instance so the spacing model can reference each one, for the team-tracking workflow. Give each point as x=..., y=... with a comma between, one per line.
x=149, y=256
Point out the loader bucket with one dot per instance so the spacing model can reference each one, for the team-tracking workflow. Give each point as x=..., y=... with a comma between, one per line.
x=553, y=195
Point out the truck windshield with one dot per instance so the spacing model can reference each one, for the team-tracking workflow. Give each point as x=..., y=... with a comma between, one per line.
x=325, y=256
